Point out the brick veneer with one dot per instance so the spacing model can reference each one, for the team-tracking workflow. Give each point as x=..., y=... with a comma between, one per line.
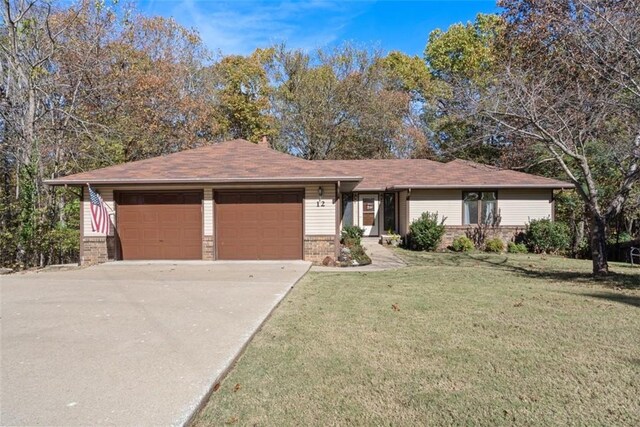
x=317, y=248
x=208, y=248
x=94, y=250
x=506, y=233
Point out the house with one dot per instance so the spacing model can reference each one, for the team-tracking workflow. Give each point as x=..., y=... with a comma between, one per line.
x=237, y=200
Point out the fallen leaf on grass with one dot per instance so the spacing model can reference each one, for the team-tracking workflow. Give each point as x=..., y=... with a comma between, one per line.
x=216, y=387
x=395, y=307
x=518, y=304
x=237, y=387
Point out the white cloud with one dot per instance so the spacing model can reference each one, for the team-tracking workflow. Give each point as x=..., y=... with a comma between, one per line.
x=241, y=26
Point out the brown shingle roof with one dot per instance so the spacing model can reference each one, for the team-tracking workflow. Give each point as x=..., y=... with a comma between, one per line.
x=230, y=161
x=242, y=161
x=381, y=174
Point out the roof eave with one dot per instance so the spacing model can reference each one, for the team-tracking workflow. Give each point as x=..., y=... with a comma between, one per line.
x=119, y=181
x=559, y=186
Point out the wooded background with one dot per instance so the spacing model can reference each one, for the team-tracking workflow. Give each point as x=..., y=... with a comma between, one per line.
x=547, y=87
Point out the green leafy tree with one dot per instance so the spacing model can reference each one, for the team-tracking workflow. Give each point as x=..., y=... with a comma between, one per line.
x=243, y=91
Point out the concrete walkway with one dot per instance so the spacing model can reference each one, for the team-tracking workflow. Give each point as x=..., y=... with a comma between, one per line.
x=382, y=259
x=128, y=343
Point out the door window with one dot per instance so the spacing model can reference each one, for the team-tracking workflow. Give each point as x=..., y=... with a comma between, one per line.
x=368, y=211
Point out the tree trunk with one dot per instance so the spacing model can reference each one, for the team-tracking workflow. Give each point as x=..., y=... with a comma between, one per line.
x=599, y=245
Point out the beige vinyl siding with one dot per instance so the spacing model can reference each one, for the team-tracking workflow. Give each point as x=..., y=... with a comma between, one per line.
x=207, y=212
x=447, y=203
x=319, y=220
x=107, y=196
x=403, y=213
x=519, y=206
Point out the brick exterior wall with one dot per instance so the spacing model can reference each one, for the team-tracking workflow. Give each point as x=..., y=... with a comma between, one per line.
x=94, y=250
x=317, y=248
x=208, y=251
x=505, y=233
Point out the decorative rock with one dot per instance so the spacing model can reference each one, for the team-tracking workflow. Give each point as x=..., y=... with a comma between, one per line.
x=328, y=262
x=6, y=271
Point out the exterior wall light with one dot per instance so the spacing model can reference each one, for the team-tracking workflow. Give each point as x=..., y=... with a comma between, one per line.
x=319, y=191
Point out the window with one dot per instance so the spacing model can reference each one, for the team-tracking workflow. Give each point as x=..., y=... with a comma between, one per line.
x=389, y=212
x=347, y=209
x=479, y=207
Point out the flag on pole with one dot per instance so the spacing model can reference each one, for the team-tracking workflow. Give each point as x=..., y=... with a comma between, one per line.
x=99, y=214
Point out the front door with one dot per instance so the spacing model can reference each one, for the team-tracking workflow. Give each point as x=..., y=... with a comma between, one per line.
x=369, y=214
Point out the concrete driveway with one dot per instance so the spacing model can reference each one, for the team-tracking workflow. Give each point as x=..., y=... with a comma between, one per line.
x=128, y=343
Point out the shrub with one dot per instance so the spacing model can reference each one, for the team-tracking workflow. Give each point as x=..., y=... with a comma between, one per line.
x=352, y=235
x=546, y=236
x=619, y=238
x=462, y=244
x=425, y=233
x=494, y=245
x=517, y=248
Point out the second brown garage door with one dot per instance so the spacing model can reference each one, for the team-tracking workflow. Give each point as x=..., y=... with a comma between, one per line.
x=259, y=225
x=161, y=225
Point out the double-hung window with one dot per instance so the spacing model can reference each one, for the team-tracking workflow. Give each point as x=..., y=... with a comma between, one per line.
x=479, y=207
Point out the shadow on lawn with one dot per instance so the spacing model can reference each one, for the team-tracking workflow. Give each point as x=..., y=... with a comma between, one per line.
x=621, y=298
x=617, y=280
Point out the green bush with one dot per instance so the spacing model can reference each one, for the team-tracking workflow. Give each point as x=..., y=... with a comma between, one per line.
x=494, y=245
x=517, y=248
x=622, y=238
x=546, y=236
x=425, y=233
x=352, y=235
x=462, y=244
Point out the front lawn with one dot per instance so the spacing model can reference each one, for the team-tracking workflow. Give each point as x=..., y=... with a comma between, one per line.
x=452, y=339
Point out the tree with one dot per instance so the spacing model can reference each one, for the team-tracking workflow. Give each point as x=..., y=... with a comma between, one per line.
x=570, y=85
x=82, y=86
x=338, y=104
x=463, y=61
x=243, y=91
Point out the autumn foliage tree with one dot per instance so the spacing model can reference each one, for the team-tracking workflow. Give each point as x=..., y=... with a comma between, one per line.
x=82, y=86
x=569, y=84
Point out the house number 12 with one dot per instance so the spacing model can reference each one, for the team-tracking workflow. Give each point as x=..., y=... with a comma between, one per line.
x=320, y=203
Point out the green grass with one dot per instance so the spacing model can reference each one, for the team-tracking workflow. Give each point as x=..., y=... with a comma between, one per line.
x=473, y=339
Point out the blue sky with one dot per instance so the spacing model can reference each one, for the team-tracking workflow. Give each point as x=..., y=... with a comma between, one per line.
x=240, y=26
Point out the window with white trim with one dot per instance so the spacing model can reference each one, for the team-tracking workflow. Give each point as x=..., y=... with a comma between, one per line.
x=479, y=207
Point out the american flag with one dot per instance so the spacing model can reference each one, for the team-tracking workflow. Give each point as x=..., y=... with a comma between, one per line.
x=99, y=215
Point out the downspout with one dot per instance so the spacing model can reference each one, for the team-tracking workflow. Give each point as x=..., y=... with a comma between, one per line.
x=338, y=220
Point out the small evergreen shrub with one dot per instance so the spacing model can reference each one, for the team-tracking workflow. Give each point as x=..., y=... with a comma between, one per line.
x=517, y=248
x=462, y=244
x=494, y=245
x=425, y=233
x=546, y=236
x=352, y=235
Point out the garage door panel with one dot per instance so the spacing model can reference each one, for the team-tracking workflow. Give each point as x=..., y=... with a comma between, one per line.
x=160, y=225
x=264, y=225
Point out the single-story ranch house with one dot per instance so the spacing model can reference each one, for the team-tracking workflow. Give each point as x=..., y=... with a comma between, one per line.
x=237, y=200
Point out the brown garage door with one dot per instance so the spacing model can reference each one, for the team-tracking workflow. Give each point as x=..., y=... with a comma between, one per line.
x=160, y=225
x=264, y=225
